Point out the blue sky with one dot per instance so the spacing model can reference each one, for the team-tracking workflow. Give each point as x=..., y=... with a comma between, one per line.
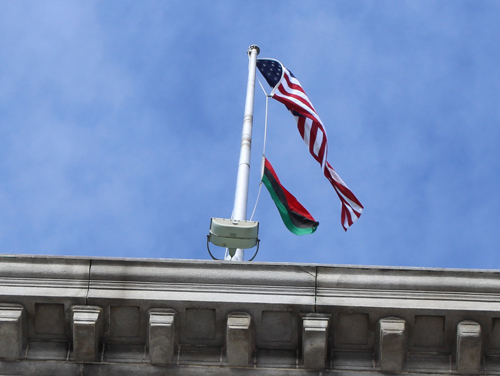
x=121, y=124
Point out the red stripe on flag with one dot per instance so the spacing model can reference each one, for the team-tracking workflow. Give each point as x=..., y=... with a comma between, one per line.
x=287, y=94
x=300, y=125
x=342, y=187
x=292, y=85
x=294, y=106
x=312, y=141
x=322, y=150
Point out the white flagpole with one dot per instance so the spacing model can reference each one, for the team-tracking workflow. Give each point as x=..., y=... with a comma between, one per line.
x=241, y=194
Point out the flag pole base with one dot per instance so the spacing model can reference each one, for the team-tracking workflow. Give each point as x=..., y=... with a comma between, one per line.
x=215, y=258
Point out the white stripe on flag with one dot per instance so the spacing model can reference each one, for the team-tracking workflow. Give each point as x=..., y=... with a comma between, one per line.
x=293, y=80
x=318, y=141
x=296, y=92
x=289, y=92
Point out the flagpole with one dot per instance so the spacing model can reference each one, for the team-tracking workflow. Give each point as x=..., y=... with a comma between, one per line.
x=241, y=193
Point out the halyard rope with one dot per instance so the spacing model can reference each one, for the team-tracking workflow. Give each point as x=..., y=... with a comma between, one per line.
x=263, y=150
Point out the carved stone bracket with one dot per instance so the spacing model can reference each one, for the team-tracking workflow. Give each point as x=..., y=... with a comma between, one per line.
x=315, y=340
x=239, y=339
x=163, y=337
x=468, y=347
x=86, y=324
x=392, y=343
x=12, y=331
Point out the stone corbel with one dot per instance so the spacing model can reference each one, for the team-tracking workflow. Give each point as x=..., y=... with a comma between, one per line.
x=392, y=342
x=469, y=347
x=13, y=329
x=163, y=337
x=86, y=327
x=315, y=327
x=239, y=339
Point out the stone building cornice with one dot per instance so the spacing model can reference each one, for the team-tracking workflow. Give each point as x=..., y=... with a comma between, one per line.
x=128, y=316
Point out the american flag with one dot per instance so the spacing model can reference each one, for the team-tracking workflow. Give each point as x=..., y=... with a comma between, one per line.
x=288, y=90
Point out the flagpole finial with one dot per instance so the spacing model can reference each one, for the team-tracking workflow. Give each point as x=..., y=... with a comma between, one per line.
x=253, y=47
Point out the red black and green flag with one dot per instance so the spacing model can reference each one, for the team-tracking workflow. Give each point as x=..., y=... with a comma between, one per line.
x=296, y=218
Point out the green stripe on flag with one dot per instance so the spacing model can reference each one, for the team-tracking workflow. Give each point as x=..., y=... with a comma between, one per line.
x=285, y=215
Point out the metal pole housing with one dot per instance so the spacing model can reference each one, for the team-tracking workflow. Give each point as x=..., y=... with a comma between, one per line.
x=241, y=194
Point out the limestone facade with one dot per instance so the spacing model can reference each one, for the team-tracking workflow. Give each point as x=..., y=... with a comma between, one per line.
x=95, y=316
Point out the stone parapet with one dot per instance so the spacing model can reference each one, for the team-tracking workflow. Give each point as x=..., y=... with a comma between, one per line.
x=154, y=316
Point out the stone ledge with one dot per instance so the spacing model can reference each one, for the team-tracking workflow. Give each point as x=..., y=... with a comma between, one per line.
x=281, y=319
x=44, y=368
